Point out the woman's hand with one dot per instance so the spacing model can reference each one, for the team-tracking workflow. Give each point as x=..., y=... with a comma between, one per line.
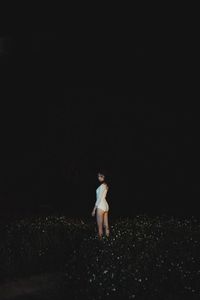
x=93, y=213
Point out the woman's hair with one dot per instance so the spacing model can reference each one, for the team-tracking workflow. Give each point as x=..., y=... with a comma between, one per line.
x=106, y=177
x=102, y=172
x=105, y=174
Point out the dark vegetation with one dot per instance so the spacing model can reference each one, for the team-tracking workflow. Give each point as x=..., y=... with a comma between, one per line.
x=144, y=258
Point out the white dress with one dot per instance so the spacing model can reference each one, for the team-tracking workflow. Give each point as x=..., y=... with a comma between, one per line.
x=101, y=202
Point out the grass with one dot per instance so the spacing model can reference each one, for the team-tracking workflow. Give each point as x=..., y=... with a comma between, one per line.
x=144, y=257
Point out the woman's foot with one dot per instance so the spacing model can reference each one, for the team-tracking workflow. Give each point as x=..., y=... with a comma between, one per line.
x=100, y=237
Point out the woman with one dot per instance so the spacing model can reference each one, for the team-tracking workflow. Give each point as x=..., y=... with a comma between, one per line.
x=101, y=206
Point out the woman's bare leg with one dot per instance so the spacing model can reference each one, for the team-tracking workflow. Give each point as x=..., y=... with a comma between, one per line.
x=105, y=223
x=100, y=213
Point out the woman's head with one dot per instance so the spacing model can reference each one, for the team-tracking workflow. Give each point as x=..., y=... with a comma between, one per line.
x=101, y=176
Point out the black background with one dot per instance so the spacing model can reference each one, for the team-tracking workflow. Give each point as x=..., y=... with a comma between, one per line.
x=55, y=136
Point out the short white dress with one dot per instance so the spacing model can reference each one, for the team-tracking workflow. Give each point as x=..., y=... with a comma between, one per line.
x=101, y=202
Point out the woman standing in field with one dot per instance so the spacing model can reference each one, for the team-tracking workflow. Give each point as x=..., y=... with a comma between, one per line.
x=101, y=206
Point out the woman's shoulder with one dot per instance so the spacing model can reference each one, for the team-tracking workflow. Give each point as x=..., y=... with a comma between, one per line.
x=105, y=185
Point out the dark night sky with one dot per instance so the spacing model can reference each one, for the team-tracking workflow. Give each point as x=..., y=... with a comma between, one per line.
x=54, y=138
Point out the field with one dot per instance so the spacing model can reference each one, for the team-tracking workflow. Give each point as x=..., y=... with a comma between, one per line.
x=55, y=257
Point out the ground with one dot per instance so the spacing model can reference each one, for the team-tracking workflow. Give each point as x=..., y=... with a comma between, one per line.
x=145, y=257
